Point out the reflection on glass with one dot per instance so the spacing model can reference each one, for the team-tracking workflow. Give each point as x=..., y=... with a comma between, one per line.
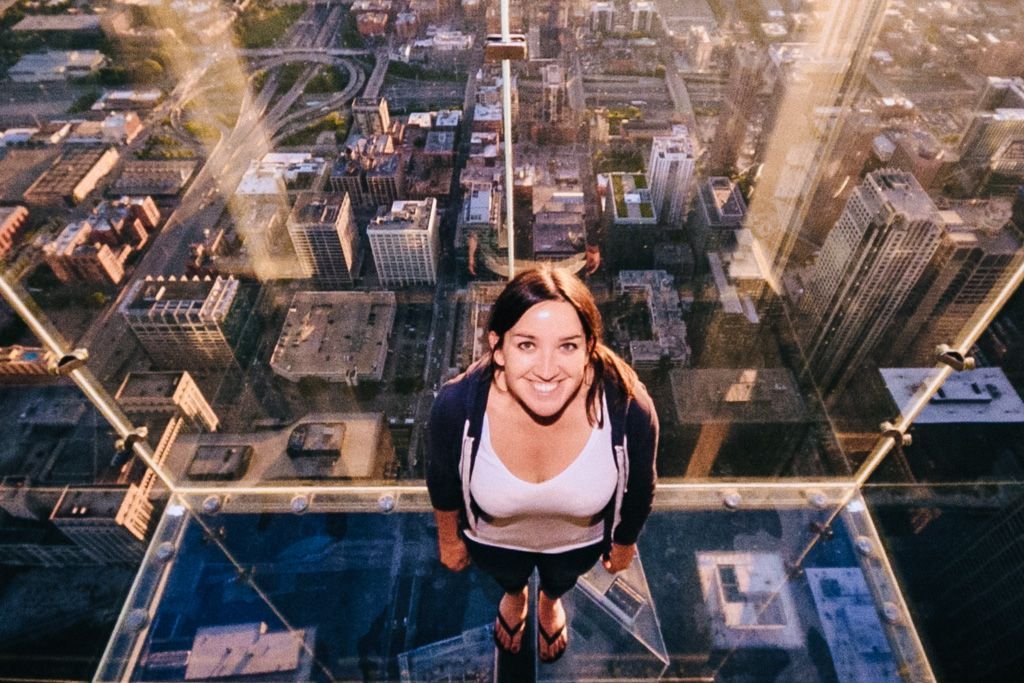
x=276, y=229
x=332, y=596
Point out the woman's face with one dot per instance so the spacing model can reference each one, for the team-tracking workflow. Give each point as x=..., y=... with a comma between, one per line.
x=544, y=356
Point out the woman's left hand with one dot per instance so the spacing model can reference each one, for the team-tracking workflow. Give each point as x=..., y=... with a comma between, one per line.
x=619, y=558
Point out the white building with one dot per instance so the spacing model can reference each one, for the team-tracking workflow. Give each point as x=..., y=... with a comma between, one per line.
x=602, y=17
x=405, y=243
x=643, y=15
x=671, y=174
x=870, y=261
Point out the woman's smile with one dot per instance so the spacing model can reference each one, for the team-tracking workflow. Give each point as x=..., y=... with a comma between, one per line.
x=543, y=358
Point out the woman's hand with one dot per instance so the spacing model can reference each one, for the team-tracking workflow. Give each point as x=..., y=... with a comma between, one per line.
x=454, y=554
x=619, y=557
x=450, y=545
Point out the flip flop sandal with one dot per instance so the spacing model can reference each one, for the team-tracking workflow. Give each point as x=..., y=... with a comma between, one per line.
x=510, y=631
x=550, y=640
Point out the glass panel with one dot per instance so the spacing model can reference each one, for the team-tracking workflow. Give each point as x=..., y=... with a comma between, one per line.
x=358, y=595
x=243, y=246
x=956, y=549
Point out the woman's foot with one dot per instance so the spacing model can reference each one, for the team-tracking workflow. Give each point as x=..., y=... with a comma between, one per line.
x=511, y=621
x=553, y=636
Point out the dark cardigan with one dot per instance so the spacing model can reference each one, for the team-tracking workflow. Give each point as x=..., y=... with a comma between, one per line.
x=456, y=421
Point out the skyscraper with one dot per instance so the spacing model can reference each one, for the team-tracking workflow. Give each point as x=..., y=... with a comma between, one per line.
x=738, y=108
x=847, y=25
x=555, y=102
x=326, y=240
x=371, y=115
x=979, y=248
x=992, y=148
x=405, y=243
x=185, y=324
x=671, y=172
x=869, y=263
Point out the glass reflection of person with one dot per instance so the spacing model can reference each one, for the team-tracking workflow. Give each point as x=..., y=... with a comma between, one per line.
x=542, y=454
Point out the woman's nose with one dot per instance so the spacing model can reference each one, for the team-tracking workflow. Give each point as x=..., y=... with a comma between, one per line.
x=547, y=365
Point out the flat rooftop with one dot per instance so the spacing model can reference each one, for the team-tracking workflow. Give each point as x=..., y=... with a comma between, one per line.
x=338, y=336
x=59, y=22
x=89, y=503
x=721, y=395
x=363, y=451
x=150, y=384
x=982, y=396
x=322, y=209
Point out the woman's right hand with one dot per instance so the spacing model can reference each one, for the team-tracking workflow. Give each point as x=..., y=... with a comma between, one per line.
x=454, y=554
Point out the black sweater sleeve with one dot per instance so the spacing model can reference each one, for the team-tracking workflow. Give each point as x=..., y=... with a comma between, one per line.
x=444, y=445
x=642, y=445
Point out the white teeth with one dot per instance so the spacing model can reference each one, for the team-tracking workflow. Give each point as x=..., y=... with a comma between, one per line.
x=544, y=388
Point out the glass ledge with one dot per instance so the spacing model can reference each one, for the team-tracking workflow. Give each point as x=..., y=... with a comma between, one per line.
x=239, y=593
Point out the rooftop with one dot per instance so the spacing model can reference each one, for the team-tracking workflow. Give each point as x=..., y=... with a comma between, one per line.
x=154, y=297
x=982, y=396
x=727, y=395
x=318, y=208
x=338, y=336
x=150, y=384
x=90, y=503
x=406, y=215
x=363, y=450
x=59, y=22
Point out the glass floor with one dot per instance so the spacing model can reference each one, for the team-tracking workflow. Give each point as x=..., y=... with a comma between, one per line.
x=230, y=591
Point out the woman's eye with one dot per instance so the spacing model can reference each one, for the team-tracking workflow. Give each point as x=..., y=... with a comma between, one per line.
x=525, y=346
x=570, y=346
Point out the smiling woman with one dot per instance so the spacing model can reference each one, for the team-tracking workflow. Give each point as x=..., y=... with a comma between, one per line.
x=542, y=454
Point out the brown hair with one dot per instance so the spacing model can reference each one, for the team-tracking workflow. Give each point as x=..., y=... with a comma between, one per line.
x=546, y=283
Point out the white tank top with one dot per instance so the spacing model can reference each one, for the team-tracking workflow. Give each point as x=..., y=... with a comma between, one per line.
x=552, y=516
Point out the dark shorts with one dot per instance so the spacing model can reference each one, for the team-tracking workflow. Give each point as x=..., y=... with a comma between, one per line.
x=512, y=568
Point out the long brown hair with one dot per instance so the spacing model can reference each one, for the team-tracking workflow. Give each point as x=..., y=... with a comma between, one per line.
x=546, y=283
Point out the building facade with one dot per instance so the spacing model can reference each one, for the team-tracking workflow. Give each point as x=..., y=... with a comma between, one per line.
x=186, y=324
x=872, y=258
x=326, y=241
x=405, y=243
x=671, y=173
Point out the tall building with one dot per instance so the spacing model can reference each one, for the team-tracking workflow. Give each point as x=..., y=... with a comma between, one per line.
x=992, y=148
x=186, y=323
x=870, y=262
x=109, y=524
x=371, y=115
x=738, y=108
x=172, y=392
x=720, y=212
x=847, y=25
x=643, y=15
x=555, y=102
x=602, y=17
x=671, y=173
x=406, y=244
x=326, y=240
x=972, y=260
x=12, y=219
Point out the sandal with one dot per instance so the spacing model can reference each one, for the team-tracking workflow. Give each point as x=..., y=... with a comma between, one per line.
x=510, y=631
x=550, y=640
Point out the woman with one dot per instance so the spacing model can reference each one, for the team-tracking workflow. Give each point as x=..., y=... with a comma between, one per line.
x=542, y=454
